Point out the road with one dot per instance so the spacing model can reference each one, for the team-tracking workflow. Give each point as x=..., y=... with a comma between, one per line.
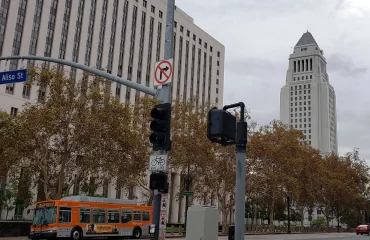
x=326, y=236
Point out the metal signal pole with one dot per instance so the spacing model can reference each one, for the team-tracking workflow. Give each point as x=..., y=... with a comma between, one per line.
x=164, y=95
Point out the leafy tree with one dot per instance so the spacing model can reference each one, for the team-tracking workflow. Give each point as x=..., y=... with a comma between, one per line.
x=309, y=178
x=319, y=222
x=339, y=186
x=274, y=162
x=76, y=132
x=8, y=129
x=141, y=121
x=7, y=198
x=191, y=150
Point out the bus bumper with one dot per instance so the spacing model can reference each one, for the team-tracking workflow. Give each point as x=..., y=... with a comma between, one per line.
x=42, y=235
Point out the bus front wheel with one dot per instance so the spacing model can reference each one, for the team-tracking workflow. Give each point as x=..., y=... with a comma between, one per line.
x=76, y=234
x=137, y=233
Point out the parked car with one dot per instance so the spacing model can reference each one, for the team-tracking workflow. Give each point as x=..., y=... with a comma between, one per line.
x=363, y=229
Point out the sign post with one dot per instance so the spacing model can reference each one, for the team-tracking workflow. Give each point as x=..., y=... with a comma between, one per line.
x=13, y=76
x=163, y=72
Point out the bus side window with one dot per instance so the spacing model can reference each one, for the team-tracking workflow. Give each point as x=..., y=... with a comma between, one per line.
x=98, y=215
x=137, y=215
x=113, y=216
x=85, y=215
x=145, y=216
x=65, y=214
x=126, y=216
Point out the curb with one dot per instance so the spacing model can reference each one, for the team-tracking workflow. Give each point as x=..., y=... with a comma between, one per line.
x=251, y=234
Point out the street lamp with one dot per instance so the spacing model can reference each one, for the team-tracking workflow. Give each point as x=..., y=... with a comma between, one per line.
x=288, y=203
x=187, y=189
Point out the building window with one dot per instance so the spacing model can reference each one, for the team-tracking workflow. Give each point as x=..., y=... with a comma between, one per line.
x=13, y=111
x=181, y=28
x=152, y=9
x=218, y=54
x=194, y=37
x=160, y=14
x=188, y=33
x=26, y=93
x=144, y=3
x=10, y=88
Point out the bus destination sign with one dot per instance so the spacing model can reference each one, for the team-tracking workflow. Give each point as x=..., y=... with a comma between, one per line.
x=45, y=204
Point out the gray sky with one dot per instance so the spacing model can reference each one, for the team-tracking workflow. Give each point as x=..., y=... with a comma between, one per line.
x=258, y=36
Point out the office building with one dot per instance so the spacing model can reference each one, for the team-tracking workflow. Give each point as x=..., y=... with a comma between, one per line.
x=307, y=100
x=124, y=37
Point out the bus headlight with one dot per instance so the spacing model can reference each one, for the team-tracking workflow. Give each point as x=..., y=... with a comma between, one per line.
x=152, y=228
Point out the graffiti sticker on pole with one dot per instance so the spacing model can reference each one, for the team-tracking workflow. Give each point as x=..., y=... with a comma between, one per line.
x=163, y=71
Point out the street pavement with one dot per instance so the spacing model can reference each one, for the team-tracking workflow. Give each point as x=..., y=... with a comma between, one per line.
x=310, y=236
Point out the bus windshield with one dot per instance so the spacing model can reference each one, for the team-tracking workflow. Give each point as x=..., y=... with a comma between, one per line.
x=44, y=216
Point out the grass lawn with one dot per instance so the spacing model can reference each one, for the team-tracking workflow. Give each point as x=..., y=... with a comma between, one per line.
x=175, y=229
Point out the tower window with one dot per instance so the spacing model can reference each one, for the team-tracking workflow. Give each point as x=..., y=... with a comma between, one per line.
x=295, y=66
x=306, y=64
x=310, y=64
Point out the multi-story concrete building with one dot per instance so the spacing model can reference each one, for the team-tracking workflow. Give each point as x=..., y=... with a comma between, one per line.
x=307, y=101
x=125, y=37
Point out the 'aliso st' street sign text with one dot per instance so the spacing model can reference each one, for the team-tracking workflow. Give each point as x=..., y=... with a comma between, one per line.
x=13, y=76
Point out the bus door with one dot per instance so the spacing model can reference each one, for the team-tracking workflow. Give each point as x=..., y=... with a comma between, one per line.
x=65, y=221
x=127, y=221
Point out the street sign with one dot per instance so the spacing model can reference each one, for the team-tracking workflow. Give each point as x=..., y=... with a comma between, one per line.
x=163, y=216
x=13, y=76
x=164, y=202
x=188, y=193
x=163, y=71
x=158, y=163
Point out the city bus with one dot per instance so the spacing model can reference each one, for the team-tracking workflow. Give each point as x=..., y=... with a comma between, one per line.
x=78, y=217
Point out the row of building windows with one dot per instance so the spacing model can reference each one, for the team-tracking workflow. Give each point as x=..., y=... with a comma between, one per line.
x=302, y=65
x=300, y=92
x=300, y=109
x=302, y=86
x=301, y=78
x=77, y=38
x=300, y=98
x=300, y=120
x=300, y=114
x=304, y=125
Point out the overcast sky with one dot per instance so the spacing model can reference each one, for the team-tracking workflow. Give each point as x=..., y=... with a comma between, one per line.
x=258, y=36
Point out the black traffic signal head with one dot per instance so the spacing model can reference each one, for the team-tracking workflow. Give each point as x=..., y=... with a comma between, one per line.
x=161, y=127
x=221, y=126
x=159, y=181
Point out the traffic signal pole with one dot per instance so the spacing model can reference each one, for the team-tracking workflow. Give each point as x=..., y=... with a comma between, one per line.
x=241, y=151
x=164, y=95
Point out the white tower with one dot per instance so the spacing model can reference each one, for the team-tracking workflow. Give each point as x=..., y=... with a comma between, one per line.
x=307, y=101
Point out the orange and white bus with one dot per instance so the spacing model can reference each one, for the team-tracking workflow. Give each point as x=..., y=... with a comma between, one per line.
x=78, y=217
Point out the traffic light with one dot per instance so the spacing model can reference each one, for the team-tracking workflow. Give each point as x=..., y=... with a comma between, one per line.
x=159, y=181
x=161, y=127
x=221, y=126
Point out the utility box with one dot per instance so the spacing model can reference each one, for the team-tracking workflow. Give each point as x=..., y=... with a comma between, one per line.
x=202, y=223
